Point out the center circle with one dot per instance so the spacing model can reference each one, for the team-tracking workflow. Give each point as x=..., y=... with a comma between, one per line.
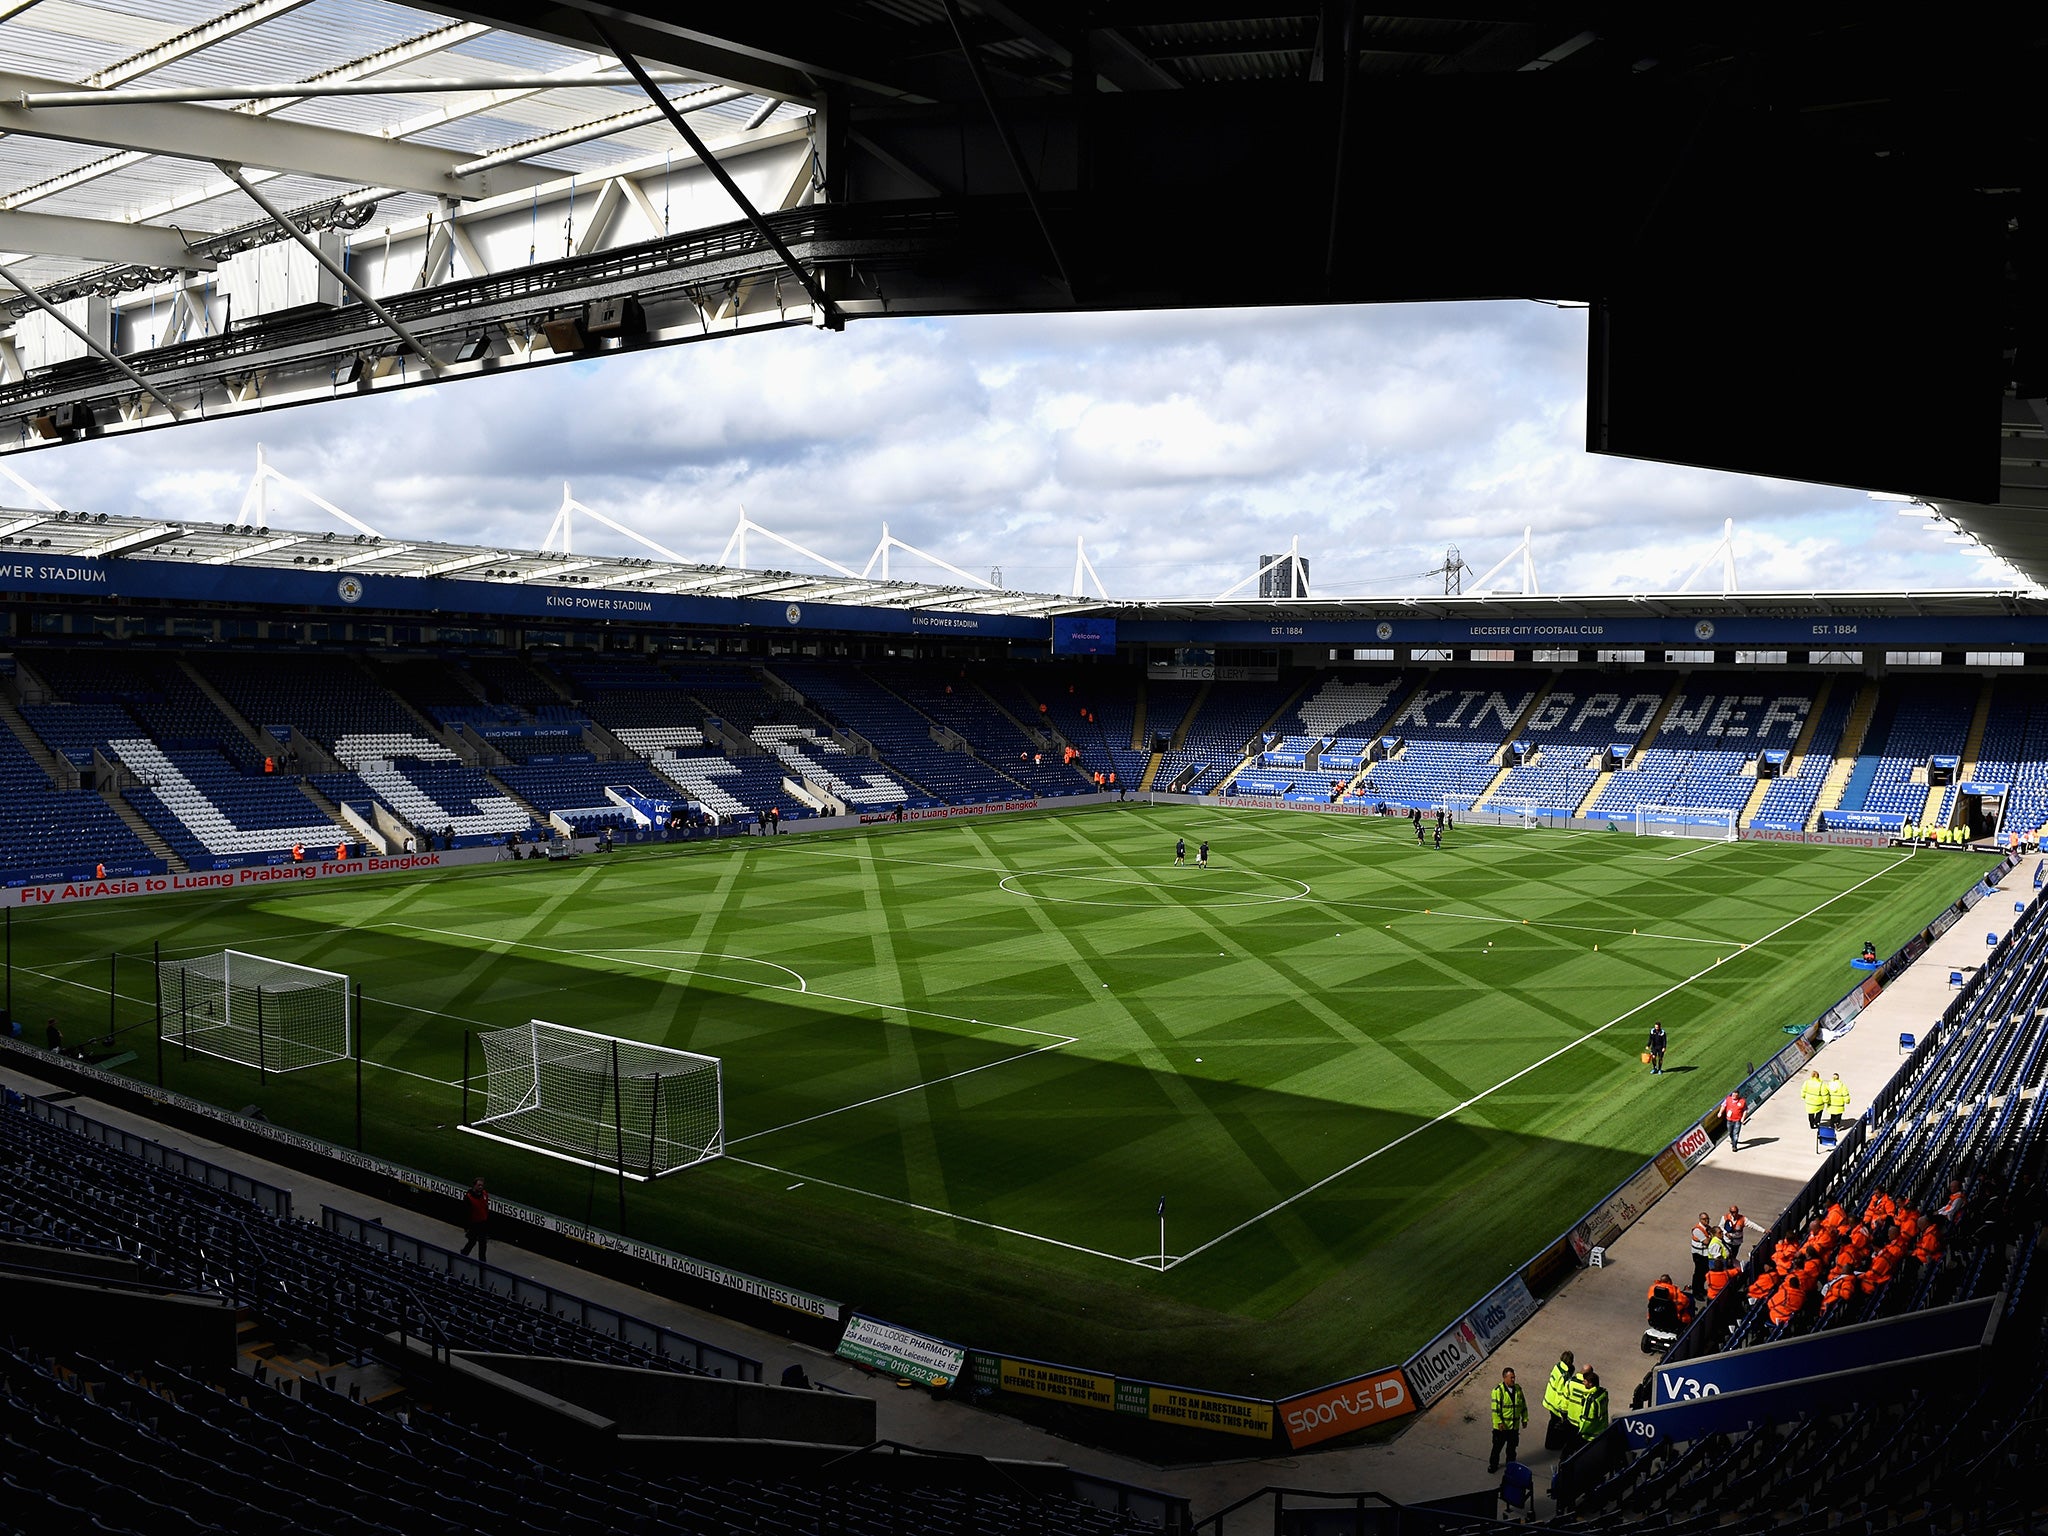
x=1170, y=889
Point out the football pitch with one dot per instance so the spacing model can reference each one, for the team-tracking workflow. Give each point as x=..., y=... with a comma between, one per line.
x=964, y=1061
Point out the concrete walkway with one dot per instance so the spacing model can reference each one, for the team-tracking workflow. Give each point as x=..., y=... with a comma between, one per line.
x=1598, y=1314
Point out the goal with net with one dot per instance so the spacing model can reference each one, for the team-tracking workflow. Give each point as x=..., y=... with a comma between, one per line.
x=1714, y=823
x=263, y=1013
x=620, y=1105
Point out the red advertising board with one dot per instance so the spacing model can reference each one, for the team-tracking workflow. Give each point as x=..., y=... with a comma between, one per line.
x=1331, y=1411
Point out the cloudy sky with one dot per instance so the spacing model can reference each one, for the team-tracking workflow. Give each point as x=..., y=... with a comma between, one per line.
x=1180, y=445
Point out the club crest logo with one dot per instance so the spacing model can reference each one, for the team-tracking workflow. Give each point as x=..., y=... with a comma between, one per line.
x=349, y=589
x=1385, y=630
x=794, y=614
x=1704, y=630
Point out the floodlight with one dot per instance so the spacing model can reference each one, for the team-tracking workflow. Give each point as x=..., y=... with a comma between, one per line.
x=565, y=333
x=349, y=372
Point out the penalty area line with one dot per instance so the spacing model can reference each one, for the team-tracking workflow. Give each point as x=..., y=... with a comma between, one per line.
x=931, y=1210
x=1487, y=1093
x=826, y=1114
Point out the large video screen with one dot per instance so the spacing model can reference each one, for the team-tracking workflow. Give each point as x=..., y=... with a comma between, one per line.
x=1074, y=635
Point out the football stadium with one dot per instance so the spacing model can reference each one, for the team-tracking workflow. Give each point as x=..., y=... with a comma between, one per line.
x=529, y=1039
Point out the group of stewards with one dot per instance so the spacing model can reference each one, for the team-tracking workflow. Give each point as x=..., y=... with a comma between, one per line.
x=1830, y=1098
x=1577, y=1405
x=1913, y=832
x=1843, y=1257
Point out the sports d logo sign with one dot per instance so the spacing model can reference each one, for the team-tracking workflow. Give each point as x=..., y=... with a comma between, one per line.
x=1332, y=1411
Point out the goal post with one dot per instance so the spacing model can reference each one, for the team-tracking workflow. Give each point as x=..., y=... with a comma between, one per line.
x=601, y=1101
x=263, y=1013
x=1715, y=823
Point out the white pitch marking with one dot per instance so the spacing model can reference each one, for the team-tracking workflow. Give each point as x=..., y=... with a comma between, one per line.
x=1703, y=847
x=1487, y=1093
x=801, y=984
x=826, y=1114
x=771, y=986
x=972, y=1221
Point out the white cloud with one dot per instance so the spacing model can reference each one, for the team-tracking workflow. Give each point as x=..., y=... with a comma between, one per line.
x=1181, y=445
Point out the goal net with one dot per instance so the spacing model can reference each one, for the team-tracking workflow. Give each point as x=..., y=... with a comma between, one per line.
x=1715, y=823
x=620, y=1105
x=263, y=1013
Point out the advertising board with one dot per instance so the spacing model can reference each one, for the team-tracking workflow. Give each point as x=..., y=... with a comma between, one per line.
x=1620, y=1210
x=1327, y=1412
x=1441, y=1364
x=900, y=1352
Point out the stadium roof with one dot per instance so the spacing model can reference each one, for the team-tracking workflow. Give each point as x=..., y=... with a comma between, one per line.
x=454, y=109
x=1734, y=202
x=53, y=534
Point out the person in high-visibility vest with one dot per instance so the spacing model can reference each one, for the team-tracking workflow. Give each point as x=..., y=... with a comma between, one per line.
x=1703, y=1231
x=1557, y=1400
x=1813, y=1093
x=1592, y=1418
x=1510, y=1418
x=1838, y=1100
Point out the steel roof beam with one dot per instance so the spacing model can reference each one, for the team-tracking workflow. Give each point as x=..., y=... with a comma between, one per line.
x=215, y=29
x=404, y=85
x=142, y=245
x=200, y=133
x=28, y=292
x=125, y=543
x=828, y=312
x=334, y=268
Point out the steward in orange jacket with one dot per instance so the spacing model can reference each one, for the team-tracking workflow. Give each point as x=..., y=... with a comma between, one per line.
x=1764, y=1284
x=1928, y=1249
x=1789, y=1298
x=1718, y=1277
x=1838, y=1291
x=1881, y=1208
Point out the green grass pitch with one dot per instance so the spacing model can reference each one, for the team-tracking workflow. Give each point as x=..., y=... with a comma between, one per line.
x=964, y=1061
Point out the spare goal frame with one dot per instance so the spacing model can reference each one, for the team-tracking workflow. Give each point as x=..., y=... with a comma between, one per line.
x=273, y=1015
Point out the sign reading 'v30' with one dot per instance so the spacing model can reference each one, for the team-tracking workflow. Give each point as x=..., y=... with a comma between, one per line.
x=1965, y=1325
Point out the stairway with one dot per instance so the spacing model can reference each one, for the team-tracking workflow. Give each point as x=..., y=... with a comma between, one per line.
x=1252, y=759
x=144, y=831
x=61, y=773
x=264, y=743
x=1846, y=753
x=1973, y=743
x=1795, y=760
x=1514, y=734
x=521, y=801
x=1187, y=721
x=1635, y=754
x=432, y=729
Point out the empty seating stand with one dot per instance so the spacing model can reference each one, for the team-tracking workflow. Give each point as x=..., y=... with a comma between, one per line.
x=137, y=1446
x=1569, y=733
x=1704, y=751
